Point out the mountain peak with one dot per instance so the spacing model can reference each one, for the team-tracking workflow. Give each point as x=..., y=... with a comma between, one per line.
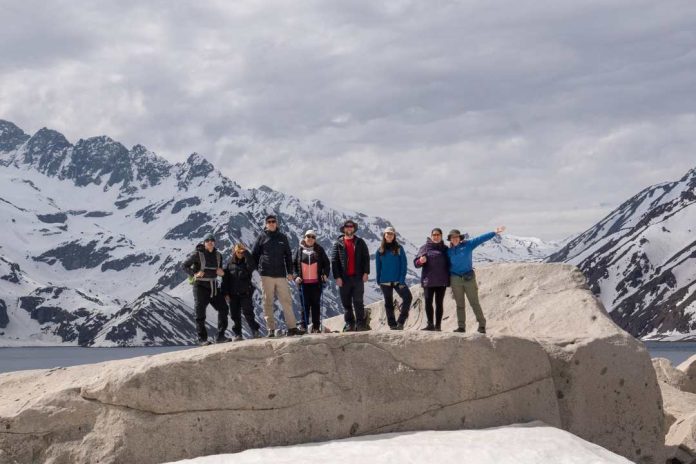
x=11, y=136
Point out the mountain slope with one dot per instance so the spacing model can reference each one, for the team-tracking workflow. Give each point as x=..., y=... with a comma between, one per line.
x=640, y=261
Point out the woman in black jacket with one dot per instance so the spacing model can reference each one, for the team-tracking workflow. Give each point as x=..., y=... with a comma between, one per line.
x=311, y=265
x=238, y=290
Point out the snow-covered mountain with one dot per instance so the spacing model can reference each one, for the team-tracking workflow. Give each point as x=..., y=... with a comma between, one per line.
x=95, y=233
x=640, y=261
x=510, y=248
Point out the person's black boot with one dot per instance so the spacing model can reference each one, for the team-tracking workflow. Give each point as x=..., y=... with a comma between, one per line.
x=349, y=328
x=271, y=333
x=222, y=339
x=205, y=342
x=430, y=327
x=482, y=329
x=459, y=330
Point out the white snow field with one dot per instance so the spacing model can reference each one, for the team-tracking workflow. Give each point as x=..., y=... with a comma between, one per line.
x=532, y=443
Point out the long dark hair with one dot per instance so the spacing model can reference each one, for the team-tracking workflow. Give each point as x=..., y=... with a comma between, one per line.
x=393, y=246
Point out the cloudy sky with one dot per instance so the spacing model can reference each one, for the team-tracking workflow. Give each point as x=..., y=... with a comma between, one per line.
x=540, y=115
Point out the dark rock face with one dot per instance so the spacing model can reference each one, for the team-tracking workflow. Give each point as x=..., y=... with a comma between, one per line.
x=98, y=214
x=128, y=261
x=157, y=317
x=195, y=167
x=152, y=212
x=124, y=203
x=75, y=255
x=11, y=136
x=55, y=218
x=150, y=169
x=14, y=275
x=46, y=150
x=634, y=247
x=195, y=227
x=97, y=157
x=185, y=203
x=4, y=319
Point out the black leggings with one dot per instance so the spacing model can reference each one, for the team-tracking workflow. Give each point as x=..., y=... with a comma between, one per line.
x=311, y=300
x=439, y=294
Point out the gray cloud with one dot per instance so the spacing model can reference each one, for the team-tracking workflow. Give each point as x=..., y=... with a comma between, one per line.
x=539, y=115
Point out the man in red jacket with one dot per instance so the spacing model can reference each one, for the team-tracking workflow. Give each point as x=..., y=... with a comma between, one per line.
x=350, y=263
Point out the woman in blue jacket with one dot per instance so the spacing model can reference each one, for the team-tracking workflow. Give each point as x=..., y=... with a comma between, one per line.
x=391, y=264
x=463, y=278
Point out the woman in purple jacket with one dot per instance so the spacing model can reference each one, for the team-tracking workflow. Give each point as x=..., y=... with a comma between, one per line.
x=432, y=257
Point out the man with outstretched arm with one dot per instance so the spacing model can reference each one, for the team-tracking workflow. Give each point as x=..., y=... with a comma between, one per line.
x=204, y=266
x=350, y=263
x=463, y=277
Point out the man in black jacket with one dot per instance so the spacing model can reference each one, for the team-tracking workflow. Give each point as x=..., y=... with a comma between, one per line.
x=204, y=267
x=350, y=262
x=274, y=261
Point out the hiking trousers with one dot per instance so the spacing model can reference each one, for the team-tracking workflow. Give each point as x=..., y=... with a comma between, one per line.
x=352, y=293
x=242, y=304
x=271, y=288
x=311, y=300
x=462, y=290
x=405, y=294
x=202, y=297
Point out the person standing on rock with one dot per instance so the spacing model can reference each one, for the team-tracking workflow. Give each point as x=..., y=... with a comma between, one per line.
x=204, y=267
x=312, y=268
x=350, y=263
x=239, y=289
x=463, y=277
x=435, y=277
x=391, y=264
x=274, y=260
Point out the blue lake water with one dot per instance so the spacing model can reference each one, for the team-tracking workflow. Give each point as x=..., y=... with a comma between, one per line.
x=17, y=359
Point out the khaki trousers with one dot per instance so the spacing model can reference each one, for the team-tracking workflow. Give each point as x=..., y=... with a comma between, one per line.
x=462, y=288
x=273, y=287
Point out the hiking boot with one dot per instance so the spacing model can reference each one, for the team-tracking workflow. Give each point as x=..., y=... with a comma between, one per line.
x=316, y=330
x=363, y=328
x=255, y=334
x=295, y=332
x=459, y=330
x=204, y=342
x=238, y=338
x=271, y=334
x=482, y=329
x=399, y=326
x=222, y=339
x=393, y=327
x=349, y=328
x=438, y=328
x=429, y=327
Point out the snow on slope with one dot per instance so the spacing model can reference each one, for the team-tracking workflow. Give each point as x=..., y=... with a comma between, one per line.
x=533, y=443
x=640, y=261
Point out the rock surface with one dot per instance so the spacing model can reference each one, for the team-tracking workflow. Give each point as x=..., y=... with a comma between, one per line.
x=679, y=399
x=551, y=355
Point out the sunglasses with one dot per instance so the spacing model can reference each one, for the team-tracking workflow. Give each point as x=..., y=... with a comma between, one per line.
x=272, y=221
x=310, y=236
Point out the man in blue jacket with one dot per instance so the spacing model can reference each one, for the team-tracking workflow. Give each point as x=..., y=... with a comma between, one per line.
x=463, y=277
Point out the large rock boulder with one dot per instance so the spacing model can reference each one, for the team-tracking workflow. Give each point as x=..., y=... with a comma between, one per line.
x=571, y=368
x=605, y=384
x=677, y=386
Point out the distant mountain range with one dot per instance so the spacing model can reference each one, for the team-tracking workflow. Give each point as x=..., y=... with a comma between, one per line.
x=95, y=233
x=641, y=261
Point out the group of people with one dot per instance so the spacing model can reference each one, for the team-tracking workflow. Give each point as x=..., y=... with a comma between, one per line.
x=230, y=289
